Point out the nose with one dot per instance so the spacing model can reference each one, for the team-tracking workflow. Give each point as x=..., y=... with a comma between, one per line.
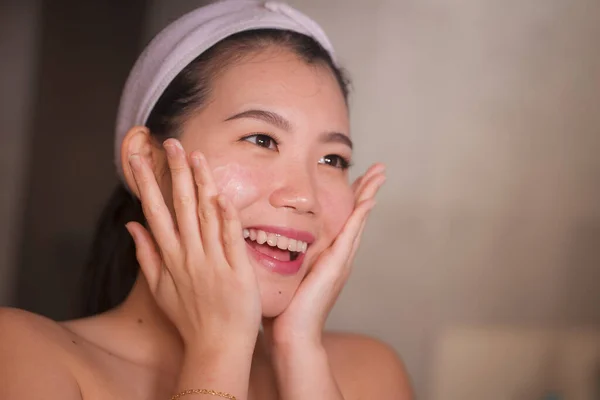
x=296, y=191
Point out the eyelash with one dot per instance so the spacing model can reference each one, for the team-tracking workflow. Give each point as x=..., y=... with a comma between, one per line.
x=271, y=137
x=343, y=163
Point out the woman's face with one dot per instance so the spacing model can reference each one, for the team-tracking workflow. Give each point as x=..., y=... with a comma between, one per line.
x=275, y=133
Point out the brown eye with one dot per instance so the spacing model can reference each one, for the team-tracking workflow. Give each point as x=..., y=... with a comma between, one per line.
x=335, y=161
x=261, y=140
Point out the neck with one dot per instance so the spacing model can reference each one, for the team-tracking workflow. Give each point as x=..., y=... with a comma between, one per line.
x=157, y=341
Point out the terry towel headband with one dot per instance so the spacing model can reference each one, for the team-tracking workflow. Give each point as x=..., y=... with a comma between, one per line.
x=188, y=37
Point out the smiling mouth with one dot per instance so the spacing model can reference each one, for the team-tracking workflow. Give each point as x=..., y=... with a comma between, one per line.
x=274, y=245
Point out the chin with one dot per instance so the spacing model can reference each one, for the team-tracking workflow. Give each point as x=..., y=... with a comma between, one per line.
x=272, y=312
x=275, y=300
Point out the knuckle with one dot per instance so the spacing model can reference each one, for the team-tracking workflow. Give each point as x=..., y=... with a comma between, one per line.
x=185, y=200
x=205, y=214
x=227, y=217
x=208, y=191
x=197, y=180
x=178, y=168
x=229, y=240
x=153, y=209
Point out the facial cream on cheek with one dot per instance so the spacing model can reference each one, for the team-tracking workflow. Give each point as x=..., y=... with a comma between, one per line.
x=237, y=183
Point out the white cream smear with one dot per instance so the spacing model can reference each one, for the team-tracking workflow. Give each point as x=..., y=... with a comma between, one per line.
x=235, y=182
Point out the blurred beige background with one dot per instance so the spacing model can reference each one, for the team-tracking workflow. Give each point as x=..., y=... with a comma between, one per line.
x=481, y=263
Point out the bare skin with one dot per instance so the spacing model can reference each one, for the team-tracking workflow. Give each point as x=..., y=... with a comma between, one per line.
x=92, y=359
x=148, y=348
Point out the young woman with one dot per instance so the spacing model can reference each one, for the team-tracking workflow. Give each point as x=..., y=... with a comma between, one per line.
x=233, y=149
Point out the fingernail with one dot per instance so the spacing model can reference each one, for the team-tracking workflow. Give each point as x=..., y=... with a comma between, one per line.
x=134, y=161
x=196, y=161
x=129, y=230
x=177, y=144
x=170, y=149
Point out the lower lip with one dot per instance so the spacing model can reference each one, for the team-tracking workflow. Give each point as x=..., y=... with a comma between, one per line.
x=277, y=266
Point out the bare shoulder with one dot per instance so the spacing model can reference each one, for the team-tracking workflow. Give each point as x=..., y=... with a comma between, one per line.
x=34, y=357
x=367, y=368
x=22, y=330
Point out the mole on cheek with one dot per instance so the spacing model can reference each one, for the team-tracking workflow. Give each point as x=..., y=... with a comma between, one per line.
x=237, y=183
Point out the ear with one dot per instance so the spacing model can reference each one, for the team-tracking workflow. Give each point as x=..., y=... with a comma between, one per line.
x=139, y=141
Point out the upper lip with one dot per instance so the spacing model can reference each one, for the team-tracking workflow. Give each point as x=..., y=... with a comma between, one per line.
x=287, y=232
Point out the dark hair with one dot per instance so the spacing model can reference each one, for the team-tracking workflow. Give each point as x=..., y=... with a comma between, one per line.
x=112, y=267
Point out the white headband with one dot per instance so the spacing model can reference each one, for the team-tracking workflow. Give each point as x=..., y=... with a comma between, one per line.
x=188, y=37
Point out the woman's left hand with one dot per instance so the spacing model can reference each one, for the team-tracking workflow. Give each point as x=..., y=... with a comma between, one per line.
x=302, y=322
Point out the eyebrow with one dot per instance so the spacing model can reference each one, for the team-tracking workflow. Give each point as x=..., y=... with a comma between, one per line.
x=337, y=137
x=266, y=116
x=280, y=122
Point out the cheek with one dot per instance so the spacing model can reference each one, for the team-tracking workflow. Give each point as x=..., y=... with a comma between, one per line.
x=339, y=203
x=237, y=183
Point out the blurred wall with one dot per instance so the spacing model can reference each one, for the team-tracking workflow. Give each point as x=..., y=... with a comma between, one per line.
x=86, y=51
x=19, y=31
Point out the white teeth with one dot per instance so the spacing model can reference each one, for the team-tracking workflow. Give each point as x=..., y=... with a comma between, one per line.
x=282, y=242
x=261, y=237
x=275, y=240
x=292, y=245
x=272, y=239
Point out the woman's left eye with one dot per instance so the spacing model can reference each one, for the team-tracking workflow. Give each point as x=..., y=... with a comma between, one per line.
x=262, y=140
x=335, y=161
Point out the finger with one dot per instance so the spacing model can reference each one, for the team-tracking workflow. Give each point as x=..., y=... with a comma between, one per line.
x=370, y=188
x=357, y=239
x=234, y=244
x=377, y=168
x=146, y=254
x=155, y=210
x=344, y=242
x=184, y=194
x=356, y=243
x=338, y=266
x=369, y=192
x=208, y=212
x=356, y=184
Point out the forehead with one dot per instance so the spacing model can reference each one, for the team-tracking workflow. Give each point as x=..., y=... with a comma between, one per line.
x=278, y=80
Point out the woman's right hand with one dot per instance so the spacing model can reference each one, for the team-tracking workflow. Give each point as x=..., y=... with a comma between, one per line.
x=197, y=265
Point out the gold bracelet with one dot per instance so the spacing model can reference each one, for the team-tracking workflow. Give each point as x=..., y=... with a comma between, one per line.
x=204, y=391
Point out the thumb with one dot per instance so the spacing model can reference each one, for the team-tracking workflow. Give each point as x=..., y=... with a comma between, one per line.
x=146, y=253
